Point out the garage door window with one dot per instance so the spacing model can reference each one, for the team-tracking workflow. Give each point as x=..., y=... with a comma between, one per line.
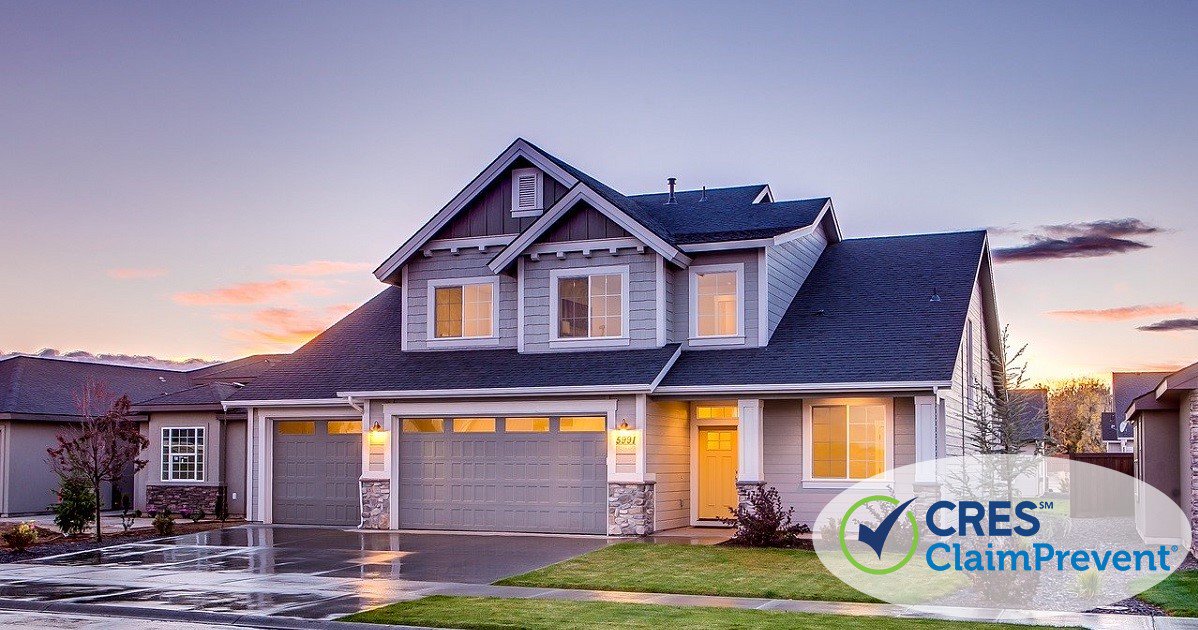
x=345, y=427
x=582, y=424
x=296, y=427
x=183, y=454
x=474, y=425
x=526, y=425
x=423, y=425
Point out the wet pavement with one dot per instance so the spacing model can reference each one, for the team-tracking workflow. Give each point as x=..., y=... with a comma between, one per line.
x=305, y=572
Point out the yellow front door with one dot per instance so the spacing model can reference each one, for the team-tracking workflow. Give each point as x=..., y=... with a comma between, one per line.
x=717, y=471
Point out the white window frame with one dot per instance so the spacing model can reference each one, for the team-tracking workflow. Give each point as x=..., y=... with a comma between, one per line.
x=717, y=340
x=519, y=212
x=431, y=316
x=201, y=455
x=556, y=341
x=809, y=479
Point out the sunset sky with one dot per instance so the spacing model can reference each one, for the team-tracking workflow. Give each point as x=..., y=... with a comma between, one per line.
x=214, y=179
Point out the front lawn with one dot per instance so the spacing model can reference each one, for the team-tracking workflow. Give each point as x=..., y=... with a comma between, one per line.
x=1176, y=595
x=707, y=570
x=493, y=613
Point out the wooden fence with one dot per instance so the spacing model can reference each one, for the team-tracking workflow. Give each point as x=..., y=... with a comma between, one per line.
x=1090, y=496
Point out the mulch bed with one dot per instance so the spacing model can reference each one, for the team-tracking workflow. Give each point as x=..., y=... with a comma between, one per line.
x=52, y=543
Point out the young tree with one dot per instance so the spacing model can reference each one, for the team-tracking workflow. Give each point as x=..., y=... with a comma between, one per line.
x=998, y=417
x=102, y=446
x=1075, y=411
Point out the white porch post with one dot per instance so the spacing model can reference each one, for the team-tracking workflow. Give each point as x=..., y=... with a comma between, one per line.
x=926, y=432
x=750, y=455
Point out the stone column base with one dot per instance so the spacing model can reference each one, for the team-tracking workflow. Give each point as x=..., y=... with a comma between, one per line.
x=630, y=508
x=182, y=499
x=376, y=503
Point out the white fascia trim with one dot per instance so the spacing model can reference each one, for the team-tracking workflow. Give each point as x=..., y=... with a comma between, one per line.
x=503, y=392
x=298, y=402
x=659, y=299
x=582, y=192
x=765, y=194
x=520, y=305
x=727, y=245
x=786, y=237
x=518, y=149
x=403, y=308
x=814, y=388
x=544, y=406
x=665, y=369
x=610, y=245
x=481, y=243
x=763, y=296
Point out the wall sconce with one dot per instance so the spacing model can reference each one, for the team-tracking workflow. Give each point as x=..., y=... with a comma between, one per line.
x=377, y=436
x=624, y=426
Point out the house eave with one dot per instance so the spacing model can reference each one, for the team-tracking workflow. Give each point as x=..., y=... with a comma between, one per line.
x=501, y=392
x=806, y=388
x=296, y=402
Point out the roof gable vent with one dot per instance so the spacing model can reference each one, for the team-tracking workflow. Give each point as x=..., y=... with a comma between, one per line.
x=527, y=192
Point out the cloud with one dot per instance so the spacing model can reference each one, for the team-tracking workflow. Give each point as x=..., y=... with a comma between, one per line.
x=284, y=328
x=321, y=268
x=1166, y=325
x=1122, y=313
x=245, y=293
x=1089, y=239
x=140, y=360
x=133, y=273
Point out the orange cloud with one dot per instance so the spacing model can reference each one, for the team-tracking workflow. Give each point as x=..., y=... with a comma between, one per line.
x=133, y=273
x=321, y=268
x=244, y=293
x=1122, y=313
x=285, y=328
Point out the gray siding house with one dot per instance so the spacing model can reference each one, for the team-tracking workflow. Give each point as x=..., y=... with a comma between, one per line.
x=551, y=355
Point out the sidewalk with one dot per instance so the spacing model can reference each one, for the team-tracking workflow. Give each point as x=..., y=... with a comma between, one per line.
x=110, y=522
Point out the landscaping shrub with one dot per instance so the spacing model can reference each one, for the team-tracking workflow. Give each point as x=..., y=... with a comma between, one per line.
x=164, y=522
x=20, y=537
x=196, y=516
x=128, y=517
x=761, y=522
x=76, y=507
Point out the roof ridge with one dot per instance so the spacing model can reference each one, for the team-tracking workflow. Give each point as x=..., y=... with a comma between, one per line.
x=895, y=236
x=21, y=355
x=709, y=189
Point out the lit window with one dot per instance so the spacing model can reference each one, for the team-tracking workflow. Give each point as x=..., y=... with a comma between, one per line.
x=590, y=306
x=582, y=424
x=183, y=454
x=526, y=425
x=474, y=425
x=463, y=311
x=345, y=427
x=847, y=441
x=717, y=308
x=422, y=425
x=716, y=412
x=296, y=427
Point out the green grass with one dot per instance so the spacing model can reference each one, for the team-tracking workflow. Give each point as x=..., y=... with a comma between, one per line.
x=493, y=613
x=1176, y=595
x=705, y=570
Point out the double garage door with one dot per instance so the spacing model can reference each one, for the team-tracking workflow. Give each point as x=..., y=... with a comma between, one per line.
x=518, y=474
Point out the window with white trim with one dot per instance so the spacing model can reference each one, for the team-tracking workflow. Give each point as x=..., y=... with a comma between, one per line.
x=183, y=454
x=590, y=306
x=717, y=302
x=847, y=441
x=463, y=311
x=527, y=192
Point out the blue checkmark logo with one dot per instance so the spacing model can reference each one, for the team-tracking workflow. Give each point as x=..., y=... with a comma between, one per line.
x=875, y=537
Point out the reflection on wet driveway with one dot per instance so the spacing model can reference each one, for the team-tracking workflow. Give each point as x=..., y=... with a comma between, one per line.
x=290, y=571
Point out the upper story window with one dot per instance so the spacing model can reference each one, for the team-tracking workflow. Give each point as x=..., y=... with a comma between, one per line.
x=717, y=303
x=589, y=303
x=526, y=192
x=183, y=454
x=462, y=308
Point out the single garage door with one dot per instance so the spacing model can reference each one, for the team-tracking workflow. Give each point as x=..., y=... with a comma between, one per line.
x=317, y=464
x=517, y=474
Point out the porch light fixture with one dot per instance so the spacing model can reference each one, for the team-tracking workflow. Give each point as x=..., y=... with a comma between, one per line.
x=377, y=434
x=624, y=426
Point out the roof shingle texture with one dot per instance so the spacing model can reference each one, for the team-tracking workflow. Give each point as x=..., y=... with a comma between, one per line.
x=34, y=385
x=1126, y=387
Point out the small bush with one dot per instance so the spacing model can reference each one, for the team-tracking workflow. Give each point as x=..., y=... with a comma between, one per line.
x=164, y=522
x=196, y=516
x=20, y=537
x=761, y=522
x=76, y=507
x=128, y=516
x=222, y=508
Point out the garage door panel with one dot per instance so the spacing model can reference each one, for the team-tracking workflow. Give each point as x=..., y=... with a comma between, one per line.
x=316, y=477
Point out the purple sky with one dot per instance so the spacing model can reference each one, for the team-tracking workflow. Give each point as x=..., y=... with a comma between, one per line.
x=170, y=172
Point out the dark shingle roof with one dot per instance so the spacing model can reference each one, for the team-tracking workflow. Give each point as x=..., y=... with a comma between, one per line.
x=1033, y=407
x=42, y=386
x=863, y=315
x=238, y=370
x=362, y=353
x=205, y=394
x=1126, y=387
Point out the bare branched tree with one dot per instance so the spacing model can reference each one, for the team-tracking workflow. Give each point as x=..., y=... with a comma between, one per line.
x=102, y=446
x=999, y=418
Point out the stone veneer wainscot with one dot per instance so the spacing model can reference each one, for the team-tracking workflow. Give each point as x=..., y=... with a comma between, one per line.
x=376, y=504
x=182, y=499
x=630, y=508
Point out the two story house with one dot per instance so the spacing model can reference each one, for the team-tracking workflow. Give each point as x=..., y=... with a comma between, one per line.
x=551, y=355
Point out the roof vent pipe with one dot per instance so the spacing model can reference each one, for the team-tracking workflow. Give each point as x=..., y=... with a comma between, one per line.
x=703, y=195
x=671, y=181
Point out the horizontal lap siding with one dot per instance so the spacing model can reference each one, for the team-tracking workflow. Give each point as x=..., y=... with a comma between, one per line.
x=642, y=295
x=681, y=294
x=789, y=265
x=444, y=265
x=667, y=440
x=958, y=427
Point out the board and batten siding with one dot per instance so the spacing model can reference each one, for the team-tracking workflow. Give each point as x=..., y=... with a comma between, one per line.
x=788, y=266
x=446, y=265
x=957, y=424
x=680, y=326
x=490, y=212
x=667, y=438
x=583, y=223
x=642, y=297
x=782, y=437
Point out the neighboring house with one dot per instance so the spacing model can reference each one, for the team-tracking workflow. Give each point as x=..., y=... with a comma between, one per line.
x=1033, y=417
x=1118, y=435
x=38, y=400
x=550, y=355
x=1165, y=420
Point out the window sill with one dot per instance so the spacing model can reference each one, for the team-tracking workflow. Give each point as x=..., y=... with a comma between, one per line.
x=520, y=214
x=180, y=482
x=729, y=340
x=589, y=342
x=846, y=483
x=462, y=342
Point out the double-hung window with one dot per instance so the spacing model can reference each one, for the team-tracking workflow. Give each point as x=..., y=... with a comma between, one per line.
x=590, y=303
x=462, y=309
x=847, y=440
x=183, y=454
x=717, y=303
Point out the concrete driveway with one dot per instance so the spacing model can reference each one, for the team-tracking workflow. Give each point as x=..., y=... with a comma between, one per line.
x=306, y=572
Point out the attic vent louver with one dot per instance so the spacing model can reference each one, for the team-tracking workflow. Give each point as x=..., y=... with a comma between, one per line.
x=526, y=192
x=671, y=181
